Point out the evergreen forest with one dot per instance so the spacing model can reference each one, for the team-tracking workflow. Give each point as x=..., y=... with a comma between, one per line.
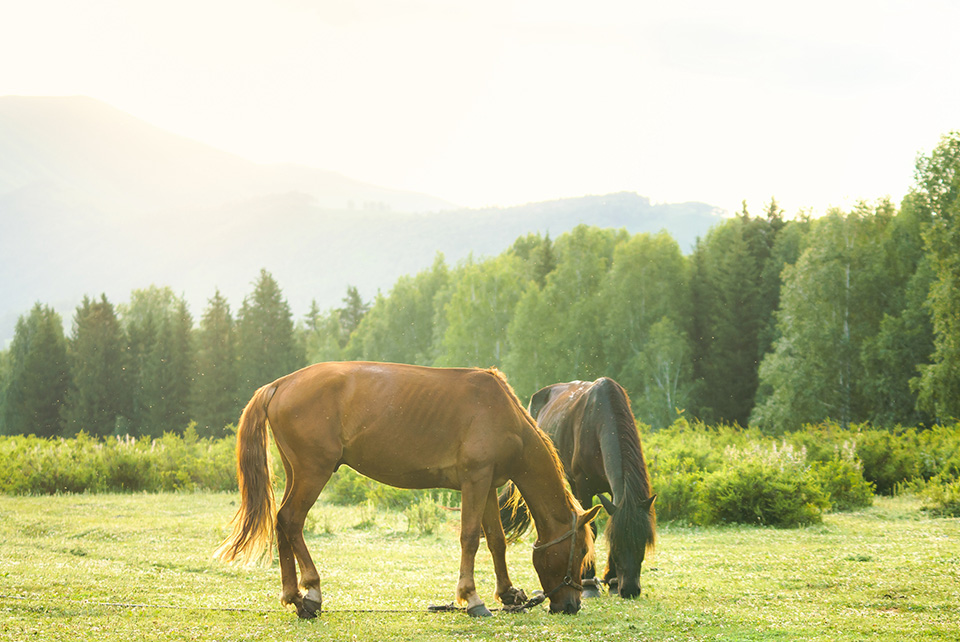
x=771, y=321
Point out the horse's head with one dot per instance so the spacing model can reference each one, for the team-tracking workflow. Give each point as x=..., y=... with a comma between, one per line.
x=630, y=533
x=559, y=562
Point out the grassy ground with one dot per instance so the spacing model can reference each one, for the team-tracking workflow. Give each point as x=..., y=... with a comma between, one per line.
x=70, y=567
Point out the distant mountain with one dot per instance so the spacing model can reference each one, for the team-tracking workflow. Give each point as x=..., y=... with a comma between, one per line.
x=94, y=200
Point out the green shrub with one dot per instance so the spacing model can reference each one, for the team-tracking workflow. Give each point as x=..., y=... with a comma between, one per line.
x=347, y=488
x=942, y=497
x=844, y=484
x=888, y=458
x=939, y=452
x=33, y=465
x=677, y=485
x=425, y=516
x=769, y=487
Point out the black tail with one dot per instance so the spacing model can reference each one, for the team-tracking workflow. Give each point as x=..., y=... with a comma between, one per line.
x=514, y=514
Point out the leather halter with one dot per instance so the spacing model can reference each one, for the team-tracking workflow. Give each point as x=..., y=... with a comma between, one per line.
x=567, y=580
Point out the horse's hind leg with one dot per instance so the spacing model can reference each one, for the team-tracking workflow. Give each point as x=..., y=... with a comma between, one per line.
x=306, y=487
x=497, y=543
x=289, y=594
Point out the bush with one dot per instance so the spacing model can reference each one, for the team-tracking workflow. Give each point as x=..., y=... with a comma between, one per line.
x=888, y=458
x=425, y=516
x=40, y=466
x=942, y=497
x=347, y=488
x=677, y=484
x=844, y=484
x=765, y=487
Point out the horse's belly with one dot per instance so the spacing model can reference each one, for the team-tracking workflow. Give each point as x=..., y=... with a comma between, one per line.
x=410, y=478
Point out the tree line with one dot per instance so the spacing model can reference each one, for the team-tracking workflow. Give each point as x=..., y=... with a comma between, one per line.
x=853, y=316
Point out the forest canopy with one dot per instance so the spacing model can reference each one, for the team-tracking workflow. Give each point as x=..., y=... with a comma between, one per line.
x=853, y=316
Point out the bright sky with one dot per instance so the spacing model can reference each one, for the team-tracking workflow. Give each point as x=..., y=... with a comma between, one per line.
x=816, y=103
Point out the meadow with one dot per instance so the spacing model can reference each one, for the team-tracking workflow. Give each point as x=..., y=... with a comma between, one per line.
x=129, y=566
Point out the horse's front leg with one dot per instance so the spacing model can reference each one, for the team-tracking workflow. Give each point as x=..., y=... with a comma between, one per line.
x=474, y=493
x=591, y=587
x=610, y=577
x=497, y=543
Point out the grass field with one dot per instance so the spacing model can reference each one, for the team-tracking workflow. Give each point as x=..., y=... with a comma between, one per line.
x=139, y=567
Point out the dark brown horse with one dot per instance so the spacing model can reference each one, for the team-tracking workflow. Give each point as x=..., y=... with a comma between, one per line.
x=595, y=433
x=410, y=427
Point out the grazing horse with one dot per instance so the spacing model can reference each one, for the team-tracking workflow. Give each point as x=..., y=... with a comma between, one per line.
x=595, y=433
x=409, y=427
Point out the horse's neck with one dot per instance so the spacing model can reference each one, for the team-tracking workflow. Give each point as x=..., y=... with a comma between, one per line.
x=541, y=486
x=612, y=455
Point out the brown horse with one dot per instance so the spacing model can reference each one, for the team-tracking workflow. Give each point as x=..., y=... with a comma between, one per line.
x=595, y=433
x=410, y=427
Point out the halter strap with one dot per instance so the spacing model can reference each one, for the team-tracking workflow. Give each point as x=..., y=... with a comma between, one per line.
x=567, y=580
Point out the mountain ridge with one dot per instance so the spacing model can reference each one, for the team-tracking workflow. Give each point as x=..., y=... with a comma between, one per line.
x=94, y=200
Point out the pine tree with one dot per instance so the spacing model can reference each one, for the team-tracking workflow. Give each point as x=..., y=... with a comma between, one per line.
x=735, y=292
x=38, y=375
x=159, y=359
x=99, y=393
x=351, y=314
x=267, y=347
x=214, y=397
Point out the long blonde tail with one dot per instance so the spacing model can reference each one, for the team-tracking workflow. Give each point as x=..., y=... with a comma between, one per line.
x=254, y=523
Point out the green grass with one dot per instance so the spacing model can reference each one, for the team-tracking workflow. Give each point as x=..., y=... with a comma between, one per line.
x=889, y=572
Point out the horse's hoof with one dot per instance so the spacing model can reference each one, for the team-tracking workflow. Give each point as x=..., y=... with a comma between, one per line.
x=591, y=588
x=309, y=609
x=513, y=597
x=480, y=610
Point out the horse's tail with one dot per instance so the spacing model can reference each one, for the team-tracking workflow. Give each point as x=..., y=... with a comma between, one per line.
x=514, y=514
x=254, y=523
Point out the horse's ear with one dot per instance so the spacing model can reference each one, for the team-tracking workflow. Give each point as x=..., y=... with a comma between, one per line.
x=608, y=505
x=648, y=503
x=588, y=516
x=538, y=401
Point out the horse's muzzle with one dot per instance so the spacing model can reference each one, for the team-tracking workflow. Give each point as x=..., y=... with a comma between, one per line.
x=571, y=607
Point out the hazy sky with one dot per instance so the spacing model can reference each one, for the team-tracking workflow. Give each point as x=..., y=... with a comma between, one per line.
x=497, y=103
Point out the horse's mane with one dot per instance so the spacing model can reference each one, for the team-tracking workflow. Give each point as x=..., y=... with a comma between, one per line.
x=519, y=516
x=572, y=502
x=635, y=523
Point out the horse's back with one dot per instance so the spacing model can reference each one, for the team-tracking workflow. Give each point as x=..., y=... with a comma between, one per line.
x=409, y=426
x=578, y=416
